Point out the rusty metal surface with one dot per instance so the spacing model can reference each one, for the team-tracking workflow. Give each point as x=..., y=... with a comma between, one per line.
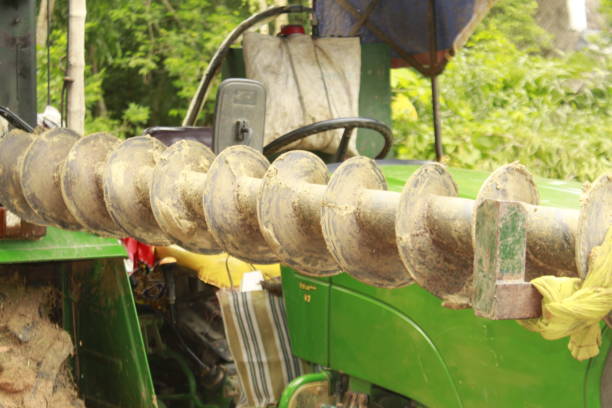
x=40, y=177
x=81, y=184
x=500, y=289
x=176, y=195
x=511, y=182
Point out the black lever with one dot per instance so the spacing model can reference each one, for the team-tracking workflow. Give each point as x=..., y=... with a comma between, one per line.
x=15, y=120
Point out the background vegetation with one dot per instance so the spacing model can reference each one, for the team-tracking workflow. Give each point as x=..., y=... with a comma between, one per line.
x=509, y=96
x=506, y=96
x=144, y=58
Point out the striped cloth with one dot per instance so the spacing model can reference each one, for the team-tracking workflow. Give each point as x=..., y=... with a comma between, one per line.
x=256, y=329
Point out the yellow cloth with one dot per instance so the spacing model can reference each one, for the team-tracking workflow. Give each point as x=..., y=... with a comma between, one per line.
x=573, y=307
x=220, y=270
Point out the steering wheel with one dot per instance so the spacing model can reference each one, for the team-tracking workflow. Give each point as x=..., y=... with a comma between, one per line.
x=348, y=124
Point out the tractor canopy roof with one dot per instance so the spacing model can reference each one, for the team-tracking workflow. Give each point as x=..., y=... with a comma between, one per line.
x=407, y=26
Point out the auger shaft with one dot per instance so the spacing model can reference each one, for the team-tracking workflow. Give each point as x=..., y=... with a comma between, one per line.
x=308, y=203
x=357, y=218
x=190, y=187
x=291, y=210
x=376, y=211
x=450, y=221
x=82, y=183
x=551, y=243
x=550, y=233
x=247, y=193
x=230, y=204
x=176, y=195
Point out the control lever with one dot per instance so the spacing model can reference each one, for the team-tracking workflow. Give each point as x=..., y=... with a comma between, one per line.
x=15, y=119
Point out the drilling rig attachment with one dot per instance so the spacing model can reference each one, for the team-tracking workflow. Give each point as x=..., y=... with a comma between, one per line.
x=478, y=253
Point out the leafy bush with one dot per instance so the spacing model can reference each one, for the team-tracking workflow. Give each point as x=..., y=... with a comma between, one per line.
x=507, y=97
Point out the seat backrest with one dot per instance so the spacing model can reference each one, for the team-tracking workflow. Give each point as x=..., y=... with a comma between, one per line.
x=374, y=94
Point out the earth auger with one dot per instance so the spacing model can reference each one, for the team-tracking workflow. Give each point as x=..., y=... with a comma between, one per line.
x=470, y=253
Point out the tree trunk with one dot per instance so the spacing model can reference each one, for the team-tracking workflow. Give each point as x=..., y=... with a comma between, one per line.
x=42, y=27
x=76, y=66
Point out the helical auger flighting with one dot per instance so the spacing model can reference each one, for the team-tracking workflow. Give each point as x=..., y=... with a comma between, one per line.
x=292, y=211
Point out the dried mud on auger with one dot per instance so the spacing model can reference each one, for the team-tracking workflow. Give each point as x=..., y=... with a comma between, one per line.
x=471, y=253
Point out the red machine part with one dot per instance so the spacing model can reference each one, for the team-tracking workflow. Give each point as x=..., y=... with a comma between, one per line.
x=290, y=29
x=139, y=252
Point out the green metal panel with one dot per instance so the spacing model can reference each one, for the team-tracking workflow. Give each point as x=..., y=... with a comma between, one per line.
x=60, y=245
x=557, y=193
x=593, y=380
x=374, y=95
x=233, y=66
x=403, y=340
x=488, y=361
x=110, y=362
x=307, y=308
x=358, y=385
x=375, y=341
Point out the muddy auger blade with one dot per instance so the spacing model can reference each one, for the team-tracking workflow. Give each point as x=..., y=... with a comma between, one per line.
x=470, y=253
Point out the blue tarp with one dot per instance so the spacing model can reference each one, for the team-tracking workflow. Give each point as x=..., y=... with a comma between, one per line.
x=405, y=22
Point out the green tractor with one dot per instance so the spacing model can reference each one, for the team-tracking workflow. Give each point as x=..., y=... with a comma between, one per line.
x=399, y=281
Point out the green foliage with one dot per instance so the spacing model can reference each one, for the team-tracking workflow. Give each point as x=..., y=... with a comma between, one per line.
x=506, y=96
x=503, y=101
x=514, y=20
x=144, y=59
x=606, y=9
